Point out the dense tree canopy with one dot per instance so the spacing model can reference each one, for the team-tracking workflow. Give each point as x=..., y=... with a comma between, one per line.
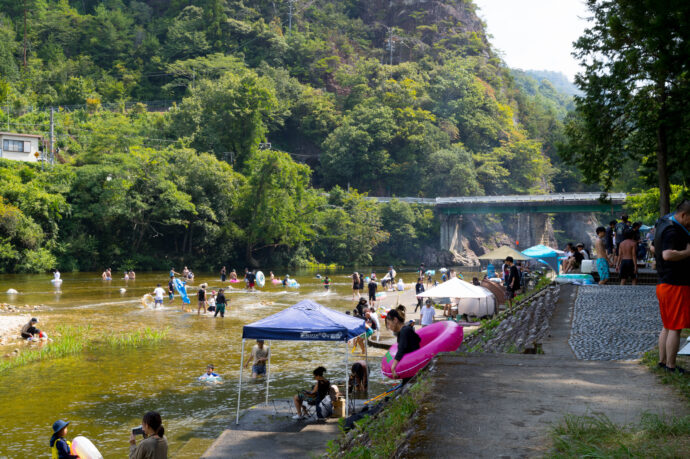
x=635, y=93
x=211, y=130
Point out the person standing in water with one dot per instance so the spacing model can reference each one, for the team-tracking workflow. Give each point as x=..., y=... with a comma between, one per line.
x=327, y=283
x=372, y=286
x=158, y=293
x=171, y=289
x=220, y=304
x=259, y=356
x=223, y=274
x=201, y=299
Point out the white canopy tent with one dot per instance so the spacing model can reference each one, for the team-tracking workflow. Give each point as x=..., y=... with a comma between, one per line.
x=471, y=299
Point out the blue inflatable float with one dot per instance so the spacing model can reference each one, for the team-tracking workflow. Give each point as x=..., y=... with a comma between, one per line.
x=181, y=289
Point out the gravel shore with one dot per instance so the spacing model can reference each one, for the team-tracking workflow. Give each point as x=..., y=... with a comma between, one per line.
x=10, y=325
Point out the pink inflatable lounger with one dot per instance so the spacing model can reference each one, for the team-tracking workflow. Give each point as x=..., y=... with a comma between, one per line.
x=443, y=336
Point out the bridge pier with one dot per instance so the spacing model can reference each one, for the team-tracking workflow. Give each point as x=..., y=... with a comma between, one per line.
x=534, y=229
x=451, y=233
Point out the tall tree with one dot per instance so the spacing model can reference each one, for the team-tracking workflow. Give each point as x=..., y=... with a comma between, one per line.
x=635, y=89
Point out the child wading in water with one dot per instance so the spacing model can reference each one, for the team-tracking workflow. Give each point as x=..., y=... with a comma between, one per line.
x=327, y=283
x=59, y=447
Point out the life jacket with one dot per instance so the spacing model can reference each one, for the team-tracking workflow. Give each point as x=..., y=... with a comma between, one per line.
x=54, y=450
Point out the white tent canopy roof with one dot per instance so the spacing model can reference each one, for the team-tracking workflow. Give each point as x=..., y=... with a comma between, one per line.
x=456, y=288
x=470, y=299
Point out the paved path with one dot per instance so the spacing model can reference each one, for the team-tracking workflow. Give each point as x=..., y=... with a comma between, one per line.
x=503, y=405
x=269, y=431
x=619, y=322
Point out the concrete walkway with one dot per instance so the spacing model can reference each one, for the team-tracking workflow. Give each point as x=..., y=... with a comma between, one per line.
x=503, y=405
x=270, y=432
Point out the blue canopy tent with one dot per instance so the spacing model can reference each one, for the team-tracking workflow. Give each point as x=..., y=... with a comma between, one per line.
x=545, y=254
x=304, y=321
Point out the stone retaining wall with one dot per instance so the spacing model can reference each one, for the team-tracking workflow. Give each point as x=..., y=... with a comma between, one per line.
x=520, y=329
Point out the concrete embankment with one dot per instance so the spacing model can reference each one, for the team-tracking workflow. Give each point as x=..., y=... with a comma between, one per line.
x=503, y=405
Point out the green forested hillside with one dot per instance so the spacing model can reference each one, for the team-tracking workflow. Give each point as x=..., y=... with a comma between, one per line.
x=206, y=130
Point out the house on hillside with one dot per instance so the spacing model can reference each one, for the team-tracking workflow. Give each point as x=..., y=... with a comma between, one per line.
x=20, y=147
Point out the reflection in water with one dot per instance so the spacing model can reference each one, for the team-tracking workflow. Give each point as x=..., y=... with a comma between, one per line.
x=104, y=394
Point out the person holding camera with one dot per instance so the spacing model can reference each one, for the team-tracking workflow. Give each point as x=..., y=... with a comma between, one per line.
x=154, y=445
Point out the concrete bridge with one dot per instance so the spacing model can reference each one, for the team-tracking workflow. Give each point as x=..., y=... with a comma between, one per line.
x=531, y=210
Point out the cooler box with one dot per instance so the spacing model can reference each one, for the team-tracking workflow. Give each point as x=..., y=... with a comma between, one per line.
x=339, y=408
x=587, y=266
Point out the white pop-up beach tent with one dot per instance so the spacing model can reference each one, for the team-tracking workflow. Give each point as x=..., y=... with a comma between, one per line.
x=471, y=299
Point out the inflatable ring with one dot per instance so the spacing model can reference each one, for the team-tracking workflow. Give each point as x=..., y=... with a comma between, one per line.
x=260, y=279
x=445, y=336
x=82, y=447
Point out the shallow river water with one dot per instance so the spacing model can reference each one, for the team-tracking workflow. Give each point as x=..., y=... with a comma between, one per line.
x=104, y=393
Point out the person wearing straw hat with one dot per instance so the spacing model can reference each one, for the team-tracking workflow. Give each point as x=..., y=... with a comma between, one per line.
x=59, y=447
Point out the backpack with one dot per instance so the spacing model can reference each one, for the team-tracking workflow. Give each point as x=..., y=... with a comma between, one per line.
x=324, y=408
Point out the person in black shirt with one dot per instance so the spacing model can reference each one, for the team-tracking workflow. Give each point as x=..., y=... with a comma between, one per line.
x=513, y=283
x=419, y=289
x=608, y=240
x=201, y=297
x=408, y=339
x=220, y=304
x=359, y=308
x=314, y=396
x=171, y=290
x=372, y=291
x=672, y=253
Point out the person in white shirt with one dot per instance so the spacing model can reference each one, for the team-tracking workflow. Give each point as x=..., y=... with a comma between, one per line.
x=428, y=313
x=158, y=294
x=375, y=319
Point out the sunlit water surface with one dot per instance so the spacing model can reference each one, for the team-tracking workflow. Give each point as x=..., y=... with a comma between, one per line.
x=104, y=393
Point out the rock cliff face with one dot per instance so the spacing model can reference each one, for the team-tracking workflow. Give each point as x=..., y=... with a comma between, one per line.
x=483, y=233
x=423, y=26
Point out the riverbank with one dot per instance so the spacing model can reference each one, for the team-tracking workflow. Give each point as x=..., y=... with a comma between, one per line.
x=10, y=325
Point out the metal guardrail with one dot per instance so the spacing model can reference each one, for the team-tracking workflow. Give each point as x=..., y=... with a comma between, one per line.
x=556, y=198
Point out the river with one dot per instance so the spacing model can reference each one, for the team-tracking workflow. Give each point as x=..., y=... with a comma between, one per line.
x=104, y=394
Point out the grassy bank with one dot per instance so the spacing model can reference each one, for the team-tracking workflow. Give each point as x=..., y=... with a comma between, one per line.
x=598, y=436
x=70, y=340
x=680, y=382
x=382, y=435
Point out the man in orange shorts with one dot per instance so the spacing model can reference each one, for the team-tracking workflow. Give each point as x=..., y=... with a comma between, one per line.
x=672, y=253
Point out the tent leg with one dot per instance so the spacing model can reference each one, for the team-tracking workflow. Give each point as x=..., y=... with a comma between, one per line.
x=366, y=355
x=268, y=371
x=347, y=383
x=239, y=388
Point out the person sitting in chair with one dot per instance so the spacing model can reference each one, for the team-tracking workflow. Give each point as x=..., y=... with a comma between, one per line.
x=313, y=397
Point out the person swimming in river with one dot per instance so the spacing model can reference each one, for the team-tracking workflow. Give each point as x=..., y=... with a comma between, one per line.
x=107, y=275
x=271, y=275
x=210, y=375
x=233, y=275
x=286, y=280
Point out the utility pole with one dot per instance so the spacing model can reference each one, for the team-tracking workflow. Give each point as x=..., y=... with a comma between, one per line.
x=290, y=17
x=390, y=44
x=51, y=156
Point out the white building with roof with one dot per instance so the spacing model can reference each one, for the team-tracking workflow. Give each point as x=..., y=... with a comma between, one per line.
x=20, y=147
